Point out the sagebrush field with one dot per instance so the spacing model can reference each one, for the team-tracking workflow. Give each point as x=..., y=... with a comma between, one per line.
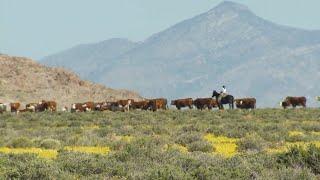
x=191, y=144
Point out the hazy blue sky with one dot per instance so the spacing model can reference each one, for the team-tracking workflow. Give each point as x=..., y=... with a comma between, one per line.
x=35, y=28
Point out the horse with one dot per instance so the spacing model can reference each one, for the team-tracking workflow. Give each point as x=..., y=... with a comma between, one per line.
x=228, y=99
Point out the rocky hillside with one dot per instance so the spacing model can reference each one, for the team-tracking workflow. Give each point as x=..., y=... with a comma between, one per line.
x=228, y=45
x=25, y=80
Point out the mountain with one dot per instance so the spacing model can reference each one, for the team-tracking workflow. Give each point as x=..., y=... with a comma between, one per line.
x=228, y=45
x=87, y=58
x=25, y=81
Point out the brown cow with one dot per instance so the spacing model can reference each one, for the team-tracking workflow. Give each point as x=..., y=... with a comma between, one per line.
x=88, y=106
x=126, y=104
x=98, y=106
x=46, y=106
x=50, y=105
x=202, y=103
x=294, y=102
x=14, y=107
x=82, y=107
x=246, y=103
x=143, y=105
x=77, y=107
x=155, y=104
x=181, y=103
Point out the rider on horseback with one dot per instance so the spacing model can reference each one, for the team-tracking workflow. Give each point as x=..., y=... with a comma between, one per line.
x=223, y=93
x=223, y=98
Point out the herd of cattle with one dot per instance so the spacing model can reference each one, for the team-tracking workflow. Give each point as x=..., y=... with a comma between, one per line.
x=151, y=104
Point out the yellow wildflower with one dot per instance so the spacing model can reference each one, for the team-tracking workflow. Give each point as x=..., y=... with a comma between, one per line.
x=224, y=146
x=126, y=138
x=88, y=149
x=287, y=146
x=42, y=153
x=296, y=133
x=92, y=127
x=178, y=147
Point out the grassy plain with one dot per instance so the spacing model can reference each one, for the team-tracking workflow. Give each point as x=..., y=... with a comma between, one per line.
x=191, y=144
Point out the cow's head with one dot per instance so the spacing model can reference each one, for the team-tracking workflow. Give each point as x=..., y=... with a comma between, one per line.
x=173, y=102
x=237, y=102
x=73, y=106
x=241, y=102
x=284, y=104
x=31, y=108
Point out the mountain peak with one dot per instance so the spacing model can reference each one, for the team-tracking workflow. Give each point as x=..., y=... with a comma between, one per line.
x=230, y=6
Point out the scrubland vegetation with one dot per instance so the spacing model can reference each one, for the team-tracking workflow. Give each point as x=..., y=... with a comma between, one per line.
x=192, y=144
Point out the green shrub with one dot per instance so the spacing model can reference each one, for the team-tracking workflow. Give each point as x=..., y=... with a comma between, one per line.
x=300, y=157
x=28, y=167
x=188, y=138
x=286, y=173
x=50, y=144
x=167, y=172
x=252, y=143
x=201, y=145
x=21, y=142
x=81, y=163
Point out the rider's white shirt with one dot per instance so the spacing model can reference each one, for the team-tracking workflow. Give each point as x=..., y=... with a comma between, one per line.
x=224, y=90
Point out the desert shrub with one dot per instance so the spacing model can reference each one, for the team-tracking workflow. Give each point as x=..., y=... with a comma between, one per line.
x=154, y=134
x=81, y=163
x=50, y=144
x=297, y=138
x=188, y=138
x=28, y=167
x=201, y=145
x=300, y=157
x=167, y=172
x=286, y=173
x=190, y=128
x=21, y=142
x=311, y=127
x=252, y=143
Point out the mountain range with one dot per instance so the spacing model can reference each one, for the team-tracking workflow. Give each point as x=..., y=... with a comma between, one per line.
x=228, y=45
